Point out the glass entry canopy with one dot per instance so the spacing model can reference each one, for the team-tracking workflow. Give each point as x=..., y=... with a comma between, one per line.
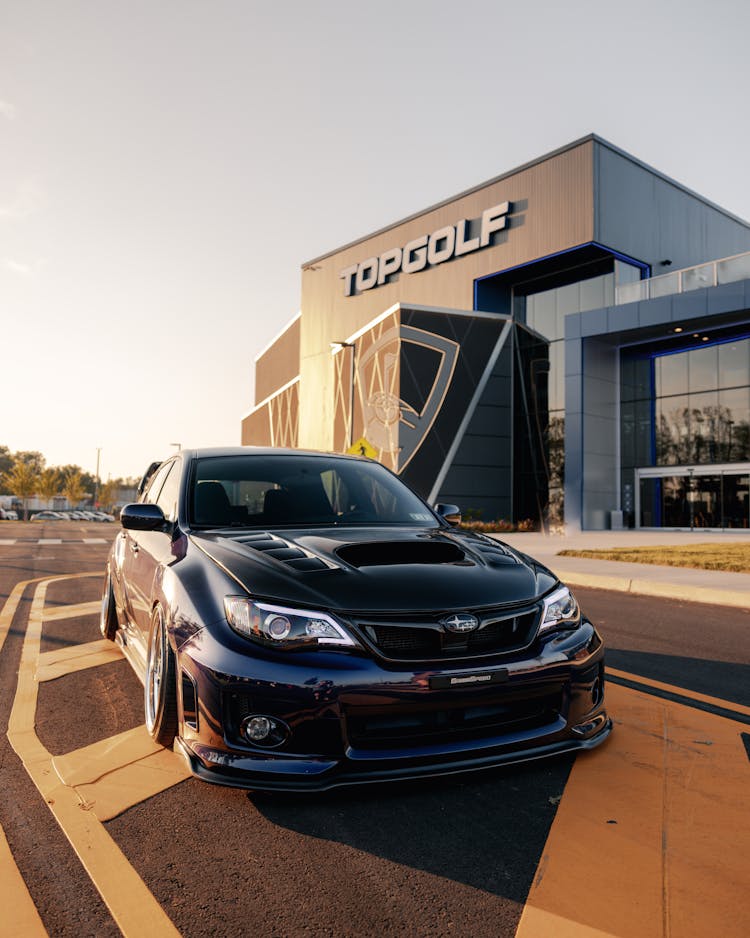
x=709, y=497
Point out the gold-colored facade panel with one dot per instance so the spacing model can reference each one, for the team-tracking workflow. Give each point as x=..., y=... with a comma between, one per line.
x=276, y=422
x=370, y=379
x=279, y=363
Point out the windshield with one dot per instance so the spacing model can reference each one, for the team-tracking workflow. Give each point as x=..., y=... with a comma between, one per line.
x=270, y=490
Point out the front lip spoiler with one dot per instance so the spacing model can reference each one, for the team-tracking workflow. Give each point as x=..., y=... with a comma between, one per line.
x=239, y=778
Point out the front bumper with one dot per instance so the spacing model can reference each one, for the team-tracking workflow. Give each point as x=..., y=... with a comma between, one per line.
x=354, y=721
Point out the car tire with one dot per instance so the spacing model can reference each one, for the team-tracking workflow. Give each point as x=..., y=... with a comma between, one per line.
x=108, y=623
x=160, y=691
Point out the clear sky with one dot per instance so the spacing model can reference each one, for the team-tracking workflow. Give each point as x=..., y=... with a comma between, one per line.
x=166, y=166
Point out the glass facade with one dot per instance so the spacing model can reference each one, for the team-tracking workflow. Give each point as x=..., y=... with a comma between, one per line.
x=545, y=313
x=688, y=408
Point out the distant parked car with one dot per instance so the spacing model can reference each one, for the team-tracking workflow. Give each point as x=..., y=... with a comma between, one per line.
x=11, y=515
x=47, y=516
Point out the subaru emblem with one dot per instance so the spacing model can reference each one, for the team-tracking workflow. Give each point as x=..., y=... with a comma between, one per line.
x=460, y=622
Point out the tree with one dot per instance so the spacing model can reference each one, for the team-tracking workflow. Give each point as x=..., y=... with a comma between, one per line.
x=108, y=494
x=49, y=483
x=6, y=460
x=21, y=481
x=31, y=458
x=87, y=480
x=73, y=488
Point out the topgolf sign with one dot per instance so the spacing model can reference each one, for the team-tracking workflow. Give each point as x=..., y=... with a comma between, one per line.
x=426, y=251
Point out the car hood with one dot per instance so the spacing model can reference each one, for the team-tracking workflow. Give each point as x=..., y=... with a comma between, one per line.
x=377, y=569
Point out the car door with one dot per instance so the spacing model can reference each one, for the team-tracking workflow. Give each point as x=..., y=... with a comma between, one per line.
x=139, y=553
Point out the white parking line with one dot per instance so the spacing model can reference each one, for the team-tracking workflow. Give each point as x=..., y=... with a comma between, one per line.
x=28, y=541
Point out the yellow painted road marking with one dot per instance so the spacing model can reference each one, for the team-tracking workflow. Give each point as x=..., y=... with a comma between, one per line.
x=133, y=907
x=19, y=916
x=651, y=836
x=68, y=612
x=681, y=691
x=119, y=772
x=62, y=661
x=9, y=609
x=11, y=603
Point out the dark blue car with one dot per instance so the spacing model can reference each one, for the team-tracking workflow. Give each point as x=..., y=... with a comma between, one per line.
x=303, y=620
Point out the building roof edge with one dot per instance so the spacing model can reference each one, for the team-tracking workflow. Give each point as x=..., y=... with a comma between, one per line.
x=454, y=198
x=668, y=179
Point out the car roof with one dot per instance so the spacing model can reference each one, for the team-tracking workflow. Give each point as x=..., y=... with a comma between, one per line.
x=207, y=451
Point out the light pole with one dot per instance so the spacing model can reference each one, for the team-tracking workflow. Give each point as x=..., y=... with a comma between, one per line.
x=96, y=480
x=353, y=347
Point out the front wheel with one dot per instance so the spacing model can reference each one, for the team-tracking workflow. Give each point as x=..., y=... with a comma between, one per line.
x=161, y=687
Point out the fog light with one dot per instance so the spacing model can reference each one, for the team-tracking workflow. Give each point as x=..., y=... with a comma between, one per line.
x=258, y=728
x=591, y=727
x=264, y=731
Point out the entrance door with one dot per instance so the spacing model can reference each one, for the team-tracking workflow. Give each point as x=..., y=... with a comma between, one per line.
x=736, y=501
x=700, y=497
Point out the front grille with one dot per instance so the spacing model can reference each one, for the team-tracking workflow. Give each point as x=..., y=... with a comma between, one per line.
x=499, y=632
x=451, y=724
x=399, y=641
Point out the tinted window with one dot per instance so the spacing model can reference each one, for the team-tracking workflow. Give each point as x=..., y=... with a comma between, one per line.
x=263, y=491
x=170, y=490
x=155, y=483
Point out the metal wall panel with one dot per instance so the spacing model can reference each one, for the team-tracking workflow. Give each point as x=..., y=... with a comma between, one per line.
x=649, y=217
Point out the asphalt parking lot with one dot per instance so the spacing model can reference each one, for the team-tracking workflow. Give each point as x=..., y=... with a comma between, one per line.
x=104, y=833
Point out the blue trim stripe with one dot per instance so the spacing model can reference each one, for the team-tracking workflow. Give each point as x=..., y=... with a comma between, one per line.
x=617, y=255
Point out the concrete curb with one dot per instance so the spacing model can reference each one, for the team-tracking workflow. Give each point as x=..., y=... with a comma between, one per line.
x=738, y=599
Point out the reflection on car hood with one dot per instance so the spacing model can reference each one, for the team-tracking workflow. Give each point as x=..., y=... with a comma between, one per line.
x=376, y=569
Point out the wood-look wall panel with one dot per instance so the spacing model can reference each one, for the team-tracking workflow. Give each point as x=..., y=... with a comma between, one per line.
x=256, y=428
x=279, y=363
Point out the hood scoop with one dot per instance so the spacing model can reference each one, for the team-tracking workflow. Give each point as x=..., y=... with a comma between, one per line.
x=289, y=554
x=396, y=553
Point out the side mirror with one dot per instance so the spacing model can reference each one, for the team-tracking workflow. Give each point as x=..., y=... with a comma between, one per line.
x=142, y=517
x=449, y=513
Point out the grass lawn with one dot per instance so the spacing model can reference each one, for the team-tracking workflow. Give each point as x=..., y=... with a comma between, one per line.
x=734, y=558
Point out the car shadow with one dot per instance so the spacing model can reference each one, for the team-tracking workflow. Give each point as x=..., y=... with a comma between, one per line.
x=726, y=680
x=486, y=830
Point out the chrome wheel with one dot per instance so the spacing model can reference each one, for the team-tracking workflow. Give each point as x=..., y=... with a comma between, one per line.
x=160, y=694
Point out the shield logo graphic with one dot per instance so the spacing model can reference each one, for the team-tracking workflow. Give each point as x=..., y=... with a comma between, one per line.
x=392, y=424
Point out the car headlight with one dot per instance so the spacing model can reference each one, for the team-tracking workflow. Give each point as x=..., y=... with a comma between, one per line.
x=560, y=611
x=281, y=627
